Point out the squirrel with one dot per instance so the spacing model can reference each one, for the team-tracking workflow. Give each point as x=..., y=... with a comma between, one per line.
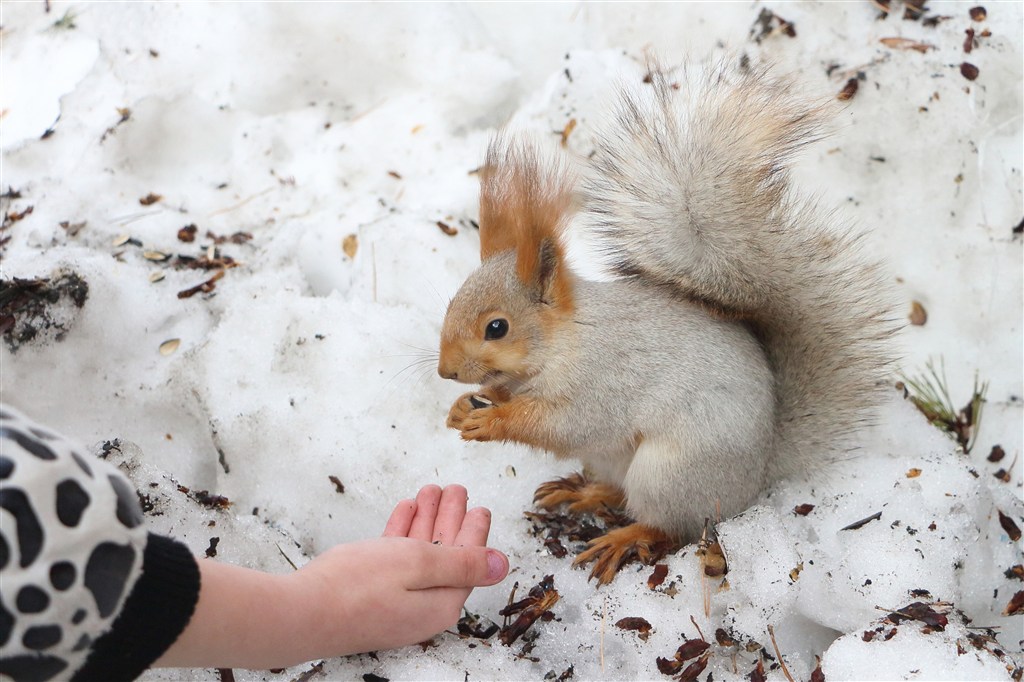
x=745, y=338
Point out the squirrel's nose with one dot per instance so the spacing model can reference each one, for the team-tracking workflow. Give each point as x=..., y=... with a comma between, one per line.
x=447, y=373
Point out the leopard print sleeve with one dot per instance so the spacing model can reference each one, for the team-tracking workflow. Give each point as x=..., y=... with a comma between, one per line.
x=85, y=591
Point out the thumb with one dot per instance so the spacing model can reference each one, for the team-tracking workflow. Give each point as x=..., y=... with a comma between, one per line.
x=447, y=566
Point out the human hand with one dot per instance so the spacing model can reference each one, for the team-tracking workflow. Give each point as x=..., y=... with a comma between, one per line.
x=408, y=585
x=399, y=589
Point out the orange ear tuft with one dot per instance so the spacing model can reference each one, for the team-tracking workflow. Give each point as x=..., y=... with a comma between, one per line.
x=524, y=206
x=522, y=202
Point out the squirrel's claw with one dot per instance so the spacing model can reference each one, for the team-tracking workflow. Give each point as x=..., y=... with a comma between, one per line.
x=460, y=410
x=581, y=495
x=471, y=419
x=553, y=493
x=616, y=548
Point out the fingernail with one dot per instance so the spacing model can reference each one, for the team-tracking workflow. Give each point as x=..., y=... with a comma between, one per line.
x=496, y=565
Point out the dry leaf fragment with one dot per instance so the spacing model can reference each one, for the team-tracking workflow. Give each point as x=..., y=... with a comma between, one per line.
x=817, y=675
x=863, y=522
x=713, y=560
x=918, y=315
x=913, y=473
x=15, y=216
x=794, y=575
x=567, y=131
x=757, y=674
x=317, y=668
x=690, y=648
x=395, y=174
x=640, y=625
x=694, y=669
x=1016, y=605
x=968, y=40
x=447, y=229
x=724, y=639
x=169, y=346
x=849, y=90
x=913, y=9
x=350, y=244
x=1009, y=526
x=803, y=509
x=969, y=71
x=658, y=576
x=997, y=453
x=768, y=24
x=150, y=198
x=338, y=485
x=187, y=233
x=922, y=612
x=541, y=598
x=235, y=238
x=978, y=13
x=1015, y=572
x=204, y=498
x=476, y=626
x=72, y=228
x=204, y=287
x=906, y=44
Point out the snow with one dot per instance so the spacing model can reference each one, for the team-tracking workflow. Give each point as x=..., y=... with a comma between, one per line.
x=304, y=124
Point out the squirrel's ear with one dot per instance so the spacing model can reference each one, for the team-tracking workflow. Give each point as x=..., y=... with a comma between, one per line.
x=548, y=275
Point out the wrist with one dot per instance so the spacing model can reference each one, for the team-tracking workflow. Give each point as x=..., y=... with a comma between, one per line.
x=244, y=619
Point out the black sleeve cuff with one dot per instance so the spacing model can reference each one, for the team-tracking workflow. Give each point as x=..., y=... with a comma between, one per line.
x=154, y=614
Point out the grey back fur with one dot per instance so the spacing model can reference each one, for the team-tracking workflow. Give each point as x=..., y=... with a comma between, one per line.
x=689, y=188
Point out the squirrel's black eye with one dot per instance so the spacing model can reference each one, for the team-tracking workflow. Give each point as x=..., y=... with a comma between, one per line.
x=496, y=329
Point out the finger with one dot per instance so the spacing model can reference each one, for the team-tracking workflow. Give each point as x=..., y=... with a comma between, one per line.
x=475, y=527
x=446, y=566
x=400, y=520
x=450, y=513
x=427, y=499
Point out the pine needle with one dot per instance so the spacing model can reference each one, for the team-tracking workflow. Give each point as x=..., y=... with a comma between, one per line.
x=930, y=394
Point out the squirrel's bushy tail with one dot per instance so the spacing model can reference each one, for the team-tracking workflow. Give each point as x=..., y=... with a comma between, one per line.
x=690, y=189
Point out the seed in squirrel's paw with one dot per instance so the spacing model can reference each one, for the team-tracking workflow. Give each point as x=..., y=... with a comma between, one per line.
x=479, y=401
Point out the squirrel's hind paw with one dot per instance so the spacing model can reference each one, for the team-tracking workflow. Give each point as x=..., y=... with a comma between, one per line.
x=616, y=548
x=580, y=494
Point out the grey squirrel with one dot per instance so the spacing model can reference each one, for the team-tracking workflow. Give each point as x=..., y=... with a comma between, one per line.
x=746, y=337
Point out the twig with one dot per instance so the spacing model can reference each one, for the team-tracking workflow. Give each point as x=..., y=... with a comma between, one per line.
x=692, y=620
x=241, y=203
x=290, y=563
x=856, y=525
x=511, y=599
x=367, y=111
x=706, y=590
x=778, y=654
x=373, y=264
x=603, y=615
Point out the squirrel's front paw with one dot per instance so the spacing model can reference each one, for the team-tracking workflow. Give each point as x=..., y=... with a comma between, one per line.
x=472, y=414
